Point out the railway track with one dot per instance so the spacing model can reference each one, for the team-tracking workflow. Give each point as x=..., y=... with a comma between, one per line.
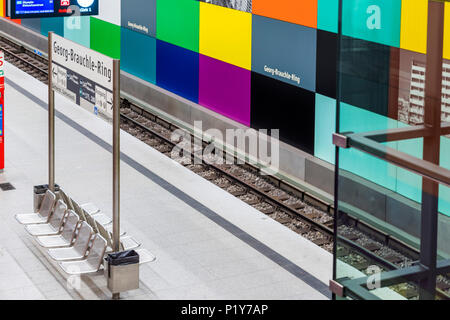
x=360, y=244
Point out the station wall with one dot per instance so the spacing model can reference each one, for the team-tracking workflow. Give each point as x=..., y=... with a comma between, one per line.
x=272, y=64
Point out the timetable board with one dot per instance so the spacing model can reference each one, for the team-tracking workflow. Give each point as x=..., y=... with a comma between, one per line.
x=22, y=9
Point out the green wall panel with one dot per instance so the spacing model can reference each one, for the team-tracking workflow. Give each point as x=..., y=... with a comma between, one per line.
x=105, y=38
x=177, y=22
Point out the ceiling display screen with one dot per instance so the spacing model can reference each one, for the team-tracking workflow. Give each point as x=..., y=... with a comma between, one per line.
x=22, y=9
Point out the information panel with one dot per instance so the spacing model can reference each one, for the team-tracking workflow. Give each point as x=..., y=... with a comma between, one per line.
x=22, y=9
x=82, y=75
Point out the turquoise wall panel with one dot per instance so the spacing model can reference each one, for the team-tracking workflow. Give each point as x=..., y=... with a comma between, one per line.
x=325, y=126
x=444, y=192
x=77, y=29
x=377, y=21
x=410, y=184
x=327, y=15
x=359, y=120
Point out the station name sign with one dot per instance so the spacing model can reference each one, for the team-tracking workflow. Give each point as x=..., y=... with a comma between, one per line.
x=22, y=9
x=82, y=75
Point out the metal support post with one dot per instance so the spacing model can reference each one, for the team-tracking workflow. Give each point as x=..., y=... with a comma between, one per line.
x=116, y=160
x=51, y=118
x=431, y=147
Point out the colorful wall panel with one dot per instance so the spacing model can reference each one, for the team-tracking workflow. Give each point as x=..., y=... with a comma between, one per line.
x=138, y=55
x=284, y=51
x=109, y=11
x=365, y=75
x=105, y=37
x=299, y=12
x=414, y=25
x=225, y=88
x=226, y=35
x=377, y=21
x=52, y=24
x=177, y=22
x=291, y=110
x=327, y=15
x=177, y=70
x=272, y=64
x=447, y=31
x=139, y=16
x=326, y=63
x=324, y=127
x=78, y=29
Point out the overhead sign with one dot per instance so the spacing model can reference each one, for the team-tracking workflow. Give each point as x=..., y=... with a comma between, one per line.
x=22, y=9
x=82, y=75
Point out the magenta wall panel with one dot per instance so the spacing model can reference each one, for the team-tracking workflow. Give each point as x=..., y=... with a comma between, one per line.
x=225, y=88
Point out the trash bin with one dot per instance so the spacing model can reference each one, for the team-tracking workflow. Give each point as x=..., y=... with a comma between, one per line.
x=122, y=271
x=38, y=195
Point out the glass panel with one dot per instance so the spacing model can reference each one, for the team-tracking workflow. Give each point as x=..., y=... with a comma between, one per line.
x=382, y=83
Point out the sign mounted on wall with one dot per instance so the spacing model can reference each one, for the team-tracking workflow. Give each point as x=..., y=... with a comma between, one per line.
x=82, y=75
x=22, y=9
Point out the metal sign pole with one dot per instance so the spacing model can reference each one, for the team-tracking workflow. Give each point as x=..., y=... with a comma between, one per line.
x=2, y=112
x=51, y=118
x=116, y=160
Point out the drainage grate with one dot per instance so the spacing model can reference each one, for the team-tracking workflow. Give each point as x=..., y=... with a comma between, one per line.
x=7, y=186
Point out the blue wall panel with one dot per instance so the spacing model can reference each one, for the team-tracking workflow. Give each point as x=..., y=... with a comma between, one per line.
x=139, y=16
x=52, y=24
x=177, y=70
x=138, y=54
x=284, y=51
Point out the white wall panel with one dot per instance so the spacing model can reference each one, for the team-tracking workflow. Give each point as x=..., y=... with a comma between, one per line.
x=109, y=10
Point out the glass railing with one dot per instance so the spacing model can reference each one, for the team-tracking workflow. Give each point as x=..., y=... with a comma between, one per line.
x=392, y=167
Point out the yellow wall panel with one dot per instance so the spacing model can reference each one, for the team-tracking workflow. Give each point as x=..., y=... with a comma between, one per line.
x=226, y=34
x=2, y=8
x=414, y=25
x=447, y=31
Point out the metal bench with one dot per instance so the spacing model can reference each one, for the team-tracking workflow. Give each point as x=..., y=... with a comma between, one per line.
x=91, y=263
x=67, y=236
x=78, y=250
x=126, y=242
x=145, y=256
x=54, y=225
x=92, y=210
x=44, y=212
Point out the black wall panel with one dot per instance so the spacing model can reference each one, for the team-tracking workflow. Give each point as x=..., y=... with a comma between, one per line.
x=365, y=74
x=277, y=105
x=326, y=63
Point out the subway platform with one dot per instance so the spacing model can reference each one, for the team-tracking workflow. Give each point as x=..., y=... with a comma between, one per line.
x=208, y=244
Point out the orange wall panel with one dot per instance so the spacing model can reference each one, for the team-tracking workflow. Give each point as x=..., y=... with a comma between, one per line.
x=303, y=12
